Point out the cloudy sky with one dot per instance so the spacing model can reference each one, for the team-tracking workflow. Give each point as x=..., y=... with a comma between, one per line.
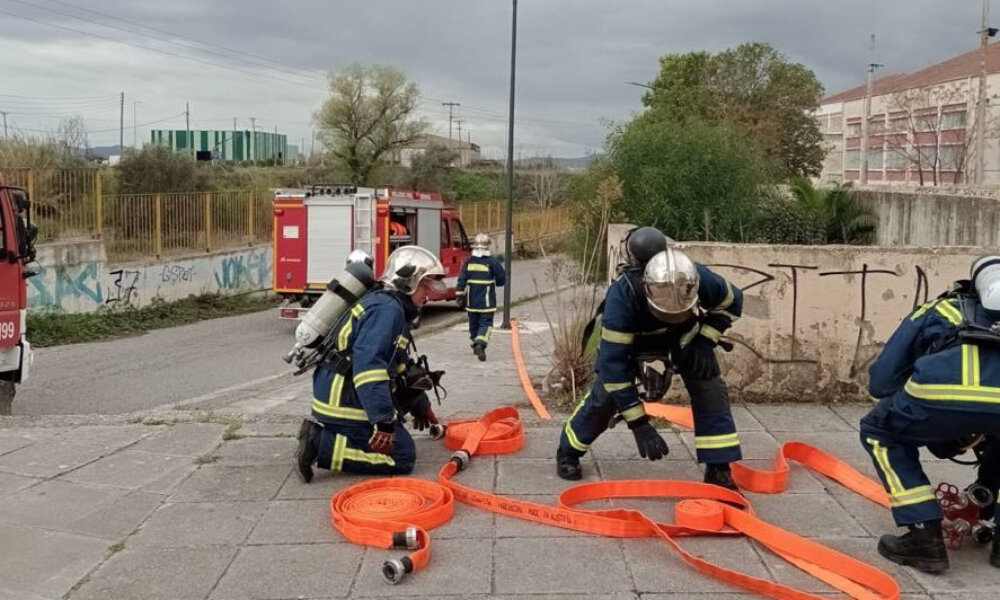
x=250, y=58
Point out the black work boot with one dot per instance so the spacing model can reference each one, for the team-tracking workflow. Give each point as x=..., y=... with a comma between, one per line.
x=721, y=475
x=921, y=548
x=308, y=449
x=568, y=467
x=995, y=550
x=480, y=351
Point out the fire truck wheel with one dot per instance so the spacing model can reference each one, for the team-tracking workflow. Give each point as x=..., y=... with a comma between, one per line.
x=6, y=397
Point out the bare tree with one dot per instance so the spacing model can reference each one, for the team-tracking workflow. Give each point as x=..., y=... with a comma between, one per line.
x=369, y=114
x=546, y=185
x=72, y=135
x=932, y=130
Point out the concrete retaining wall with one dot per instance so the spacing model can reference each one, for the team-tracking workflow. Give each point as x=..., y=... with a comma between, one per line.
x=929, y=219
x=76, y=277
x=815, y=317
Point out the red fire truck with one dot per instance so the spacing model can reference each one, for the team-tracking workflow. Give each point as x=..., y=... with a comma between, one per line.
x=315, y=228
x=16, y=251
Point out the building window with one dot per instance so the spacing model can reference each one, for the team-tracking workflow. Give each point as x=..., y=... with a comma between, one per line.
x=875, y=158
x=953, y=120
x=836, y=123
x=899, y=125
x=927, y=123
x=953, y=157
x=896, y=159
x=852, y=159
x=876, y=125
x=928, y=156
x=854, y=130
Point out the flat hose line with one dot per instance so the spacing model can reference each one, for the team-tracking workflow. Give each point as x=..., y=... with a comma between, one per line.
x=398, y=512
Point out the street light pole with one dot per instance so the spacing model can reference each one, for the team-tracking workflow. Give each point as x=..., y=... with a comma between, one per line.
x=509, y=240
x=984, y=40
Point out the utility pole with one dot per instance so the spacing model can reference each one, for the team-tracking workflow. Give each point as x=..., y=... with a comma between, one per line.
x=459, y=121
x=450, y=106
x=187, y=121
x=121, y=126
x=867, y=116
x=509, y=237
x=4, y=122
x=984, y=40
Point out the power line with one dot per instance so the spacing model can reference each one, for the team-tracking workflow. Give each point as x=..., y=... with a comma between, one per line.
x=103, y=130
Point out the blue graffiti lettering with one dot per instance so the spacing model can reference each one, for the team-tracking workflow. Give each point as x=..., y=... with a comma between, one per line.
x=69, y=282
x=244, y=271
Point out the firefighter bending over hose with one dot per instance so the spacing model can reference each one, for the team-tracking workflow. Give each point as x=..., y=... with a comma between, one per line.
x=477, y=292
x=360, y=394
x=662, y=309
x=937, y=381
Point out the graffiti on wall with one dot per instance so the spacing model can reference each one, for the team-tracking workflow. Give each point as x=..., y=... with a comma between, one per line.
x=175, y=274
x=123, y=289
x=249, y=270
x=54, y=287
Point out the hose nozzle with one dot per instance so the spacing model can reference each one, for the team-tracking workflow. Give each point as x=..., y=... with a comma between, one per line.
x=461, y=458
x=394, y=570
x=406, y=539
x=436, y=431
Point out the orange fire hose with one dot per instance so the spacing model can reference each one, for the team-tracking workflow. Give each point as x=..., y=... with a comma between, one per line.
x=522, y=372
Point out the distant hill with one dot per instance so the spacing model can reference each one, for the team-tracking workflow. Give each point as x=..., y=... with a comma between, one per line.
x=104, y=151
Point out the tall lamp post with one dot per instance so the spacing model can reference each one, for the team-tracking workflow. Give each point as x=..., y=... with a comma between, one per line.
x=509, y=240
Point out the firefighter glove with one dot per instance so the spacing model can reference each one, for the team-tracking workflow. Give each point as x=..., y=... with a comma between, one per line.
x=460, y=300
x=698, y=359
x=383, y=438
x=648, y=440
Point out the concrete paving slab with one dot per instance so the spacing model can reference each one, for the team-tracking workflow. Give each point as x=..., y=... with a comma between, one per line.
x=13, y=440
x=296, y=522
x=117, y=520
x=875, y=519
x=224, y=484
x=50, y=459
x=657, y=568
x=56, y=504
x=852, y=413
x=846, y=445
x=567, y=565
x=480, y=474
x=468, y=523
x=457, y=566
x=534, y=477
x=257, y=451
x=807, y=417
x=157, y=574
x=324, y=485
x=184, y=439
x=645, y=469
x=270, y=429
x=112, y=437
x=753, y=444
x=8, y=594
x=198, y=524
x=621, y=596
x=970, y=572
x=540, y=443
x=305, y=571
x=619, y=444
x=10, y=484
x=809, y=515
x=131, y=469
x=47, y=563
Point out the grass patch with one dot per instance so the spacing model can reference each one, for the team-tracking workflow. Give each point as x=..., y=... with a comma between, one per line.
x=206, y=459
x=50, y=328
x=232, y=430
x=116, y=548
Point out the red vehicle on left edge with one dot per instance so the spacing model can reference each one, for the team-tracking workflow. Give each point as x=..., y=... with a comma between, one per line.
x=17, y=249
x=317, y=227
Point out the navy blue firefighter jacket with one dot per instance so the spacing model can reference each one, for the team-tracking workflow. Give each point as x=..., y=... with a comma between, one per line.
x=478, y=282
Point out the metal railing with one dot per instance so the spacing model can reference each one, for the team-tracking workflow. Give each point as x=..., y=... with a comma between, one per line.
x=529, y=223
x=64, y=200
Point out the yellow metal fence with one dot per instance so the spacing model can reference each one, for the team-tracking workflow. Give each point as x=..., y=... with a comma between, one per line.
x=529, y=224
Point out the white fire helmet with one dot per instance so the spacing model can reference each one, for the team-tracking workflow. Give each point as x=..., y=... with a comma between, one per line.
x=407, y=266
x=985, y=277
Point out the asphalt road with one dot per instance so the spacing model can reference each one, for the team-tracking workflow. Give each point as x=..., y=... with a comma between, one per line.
x=177, y=364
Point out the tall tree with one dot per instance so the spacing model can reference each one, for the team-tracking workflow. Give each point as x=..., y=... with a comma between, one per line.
x=369, y=114
x=752, y=86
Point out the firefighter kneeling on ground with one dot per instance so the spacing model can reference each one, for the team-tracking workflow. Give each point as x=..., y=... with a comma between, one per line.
x=477, y=292
x=665, y=307
x=358, y=403
x=937, y=382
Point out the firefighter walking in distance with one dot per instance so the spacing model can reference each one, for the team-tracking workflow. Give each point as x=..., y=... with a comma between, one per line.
x=477, y=292
x=937, y=381
x=662, y=309
x=358, y=404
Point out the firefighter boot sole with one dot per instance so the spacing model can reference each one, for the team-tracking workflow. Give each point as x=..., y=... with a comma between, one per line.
x=306, y=452
x=926, y=564
x=568, y=468
x=480, y=353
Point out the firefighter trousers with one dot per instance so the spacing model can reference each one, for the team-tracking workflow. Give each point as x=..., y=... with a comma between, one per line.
x=344, y=447
x=893, y=433
x=715, y=435
x=480, y=327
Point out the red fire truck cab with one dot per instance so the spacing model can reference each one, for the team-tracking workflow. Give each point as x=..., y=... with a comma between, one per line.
x=315, y=229
x=16, y=251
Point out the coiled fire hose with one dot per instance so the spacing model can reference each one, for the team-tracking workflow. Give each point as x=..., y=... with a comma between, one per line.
x=399, y=512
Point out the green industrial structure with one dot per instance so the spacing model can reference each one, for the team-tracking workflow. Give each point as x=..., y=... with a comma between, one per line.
x=226, y=144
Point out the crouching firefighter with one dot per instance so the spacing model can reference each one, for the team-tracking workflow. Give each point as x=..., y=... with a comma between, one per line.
x=477, y=292
x=937, y=382
x=664, y=308
x=363, y=382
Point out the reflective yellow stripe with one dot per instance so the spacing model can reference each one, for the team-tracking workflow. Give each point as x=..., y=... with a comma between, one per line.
x=614, y=387
x=728, y=301
x=339, y=445
x=634, y=412
x=345, y=332
x=881, y=455
x=570, y=434
x=357, y=310
x=371, y=458
x=339, y=412
x=617, y=337
x=920, y=311
x=713, y=442
x=485, y=337
x=336, y=389
x=478, y=267
x=370, y=376
x=687, y=337
x=460, y=293
x=949, y=312
x=481, y=310
x=916, y=495
x=711, y=333
x=954, y=393
x=481, y=281
x=724, y=313
x=402, y=341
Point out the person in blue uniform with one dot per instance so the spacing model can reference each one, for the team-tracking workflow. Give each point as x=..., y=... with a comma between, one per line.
x=937, y=383
x=663, y=307
x=477, y=292
x=356, y=424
